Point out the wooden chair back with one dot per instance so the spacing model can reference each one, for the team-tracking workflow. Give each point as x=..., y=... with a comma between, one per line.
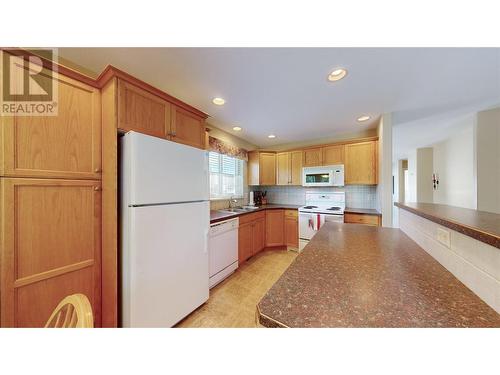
x=74, y=311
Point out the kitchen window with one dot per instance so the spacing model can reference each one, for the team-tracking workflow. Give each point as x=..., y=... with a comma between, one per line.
x=226, y=176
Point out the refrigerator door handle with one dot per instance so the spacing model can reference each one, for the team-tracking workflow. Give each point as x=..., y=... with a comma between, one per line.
x=207, y=232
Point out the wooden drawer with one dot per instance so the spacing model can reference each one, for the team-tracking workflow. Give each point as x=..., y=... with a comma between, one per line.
x=292, y=213
x=251, y=217
x=362, y=219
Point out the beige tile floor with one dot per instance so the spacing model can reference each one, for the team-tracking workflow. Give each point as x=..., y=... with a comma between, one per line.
x=233, y=302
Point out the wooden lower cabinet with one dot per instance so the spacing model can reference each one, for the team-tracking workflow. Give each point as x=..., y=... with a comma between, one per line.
x=50, y=247
x=275, y=228
x=259, y=235
x=292, y=229
x=366, y=219
x=245, y=242
x=251, y=235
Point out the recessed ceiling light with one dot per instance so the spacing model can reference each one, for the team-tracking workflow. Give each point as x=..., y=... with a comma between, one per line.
x=337, y=74
x=271, y=136
x=218, y=101
x=363, y=118
x=236, y=128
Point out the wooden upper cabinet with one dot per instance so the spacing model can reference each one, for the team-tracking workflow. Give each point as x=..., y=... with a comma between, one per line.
x=67, y=145
x=261, y=168
x=333, y=155
x=142, y=111
x=275, y=227
x=289, y=168
x=283, y=168
x=50, y=247
x=313, y=157
x=296, y=162
x=267, y=168
x=187, y=128
x=361, y=163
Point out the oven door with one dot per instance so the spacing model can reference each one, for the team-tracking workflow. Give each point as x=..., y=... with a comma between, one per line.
x=309, y=224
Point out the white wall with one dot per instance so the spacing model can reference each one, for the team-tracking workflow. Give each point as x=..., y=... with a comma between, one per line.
x=454, y=162
x=424, y=175
x=412, y=177
x=384, y=187
x=488, y=160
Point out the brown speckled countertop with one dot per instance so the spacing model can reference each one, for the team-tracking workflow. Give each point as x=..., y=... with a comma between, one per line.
x=352, y=275
x=480, y=225
x=216, y=216
x=365, y=211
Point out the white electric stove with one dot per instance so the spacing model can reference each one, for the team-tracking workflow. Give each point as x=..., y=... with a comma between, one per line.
x=319, y=208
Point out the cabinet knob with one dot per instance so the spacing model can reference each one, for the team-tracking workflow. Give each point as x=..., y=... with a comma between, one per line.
x=97, y=188
x=97, y=170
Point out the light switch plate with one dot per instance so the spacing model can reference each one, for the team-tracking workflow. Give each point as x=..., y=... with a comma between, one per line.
x=443, y=236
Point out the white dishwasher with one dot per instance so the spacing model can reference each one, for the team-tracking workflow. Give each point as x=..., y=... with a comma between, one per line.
x=222, y=250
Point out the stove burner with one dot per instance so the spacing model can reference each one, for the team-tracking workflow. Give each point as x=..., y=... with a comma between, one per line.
x=310, y=207
x=333, y=209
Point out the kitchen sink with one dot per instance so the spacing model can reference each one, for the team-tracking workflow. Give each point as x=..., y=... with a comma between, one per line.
x=237, y=209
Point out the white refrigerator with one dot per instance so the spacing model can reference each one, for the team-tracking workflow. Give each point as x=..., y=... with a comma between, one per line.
x=165, y=217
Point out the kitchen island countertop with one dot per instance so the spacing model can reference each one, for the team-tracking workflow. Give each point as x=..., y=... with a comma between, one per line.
x=352, y=275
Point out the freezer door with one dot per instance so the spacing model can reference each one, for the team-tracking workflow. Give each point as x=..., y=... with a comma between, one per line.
x=155, y=171
x=164, y=263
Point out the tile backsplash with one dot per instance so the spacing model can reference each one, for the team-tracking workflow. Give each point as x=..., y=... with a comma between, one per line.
x=357, y=196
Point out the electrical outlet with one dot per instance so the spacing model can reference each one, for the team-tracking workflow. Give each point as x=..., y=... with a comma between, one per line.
x=443, y=236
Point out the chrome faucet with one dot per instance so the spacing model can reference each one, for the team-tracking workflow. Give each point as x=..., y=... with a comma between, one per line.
x=231, y=201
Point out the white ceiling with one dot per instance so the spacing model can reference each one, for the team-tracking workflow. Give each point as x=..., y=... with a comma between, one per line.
x=285, y=91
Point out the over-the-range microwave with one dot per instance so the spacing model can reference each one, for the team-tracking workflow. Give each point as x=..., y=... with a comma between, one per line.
x=329, y=175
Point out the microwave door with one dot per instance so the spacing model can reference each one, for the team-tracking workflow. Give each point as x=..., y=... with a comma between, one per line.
x=318, y=179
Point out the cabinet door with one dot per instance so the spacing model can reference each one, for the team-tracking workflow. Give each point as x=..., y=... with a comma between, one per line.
x=142, y=111
x=333, y=155
x=291, y=232
x=361, y=163
x=283, y=168
x=245, y=242
x=67, y=145
x=259, y=232
x=187, y=128
x=51, y=247
x=275, y=228
x=267, y=166
x=296, y=158
x=312, y=157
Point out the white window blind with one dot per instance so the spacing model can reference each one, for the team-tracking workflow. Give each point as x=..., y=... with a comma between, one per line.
x=226, y=176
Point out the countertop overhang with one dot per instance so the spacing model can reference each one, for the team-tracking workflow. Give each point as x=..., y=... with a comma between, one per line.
x=352, y=275
x=480, y=225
